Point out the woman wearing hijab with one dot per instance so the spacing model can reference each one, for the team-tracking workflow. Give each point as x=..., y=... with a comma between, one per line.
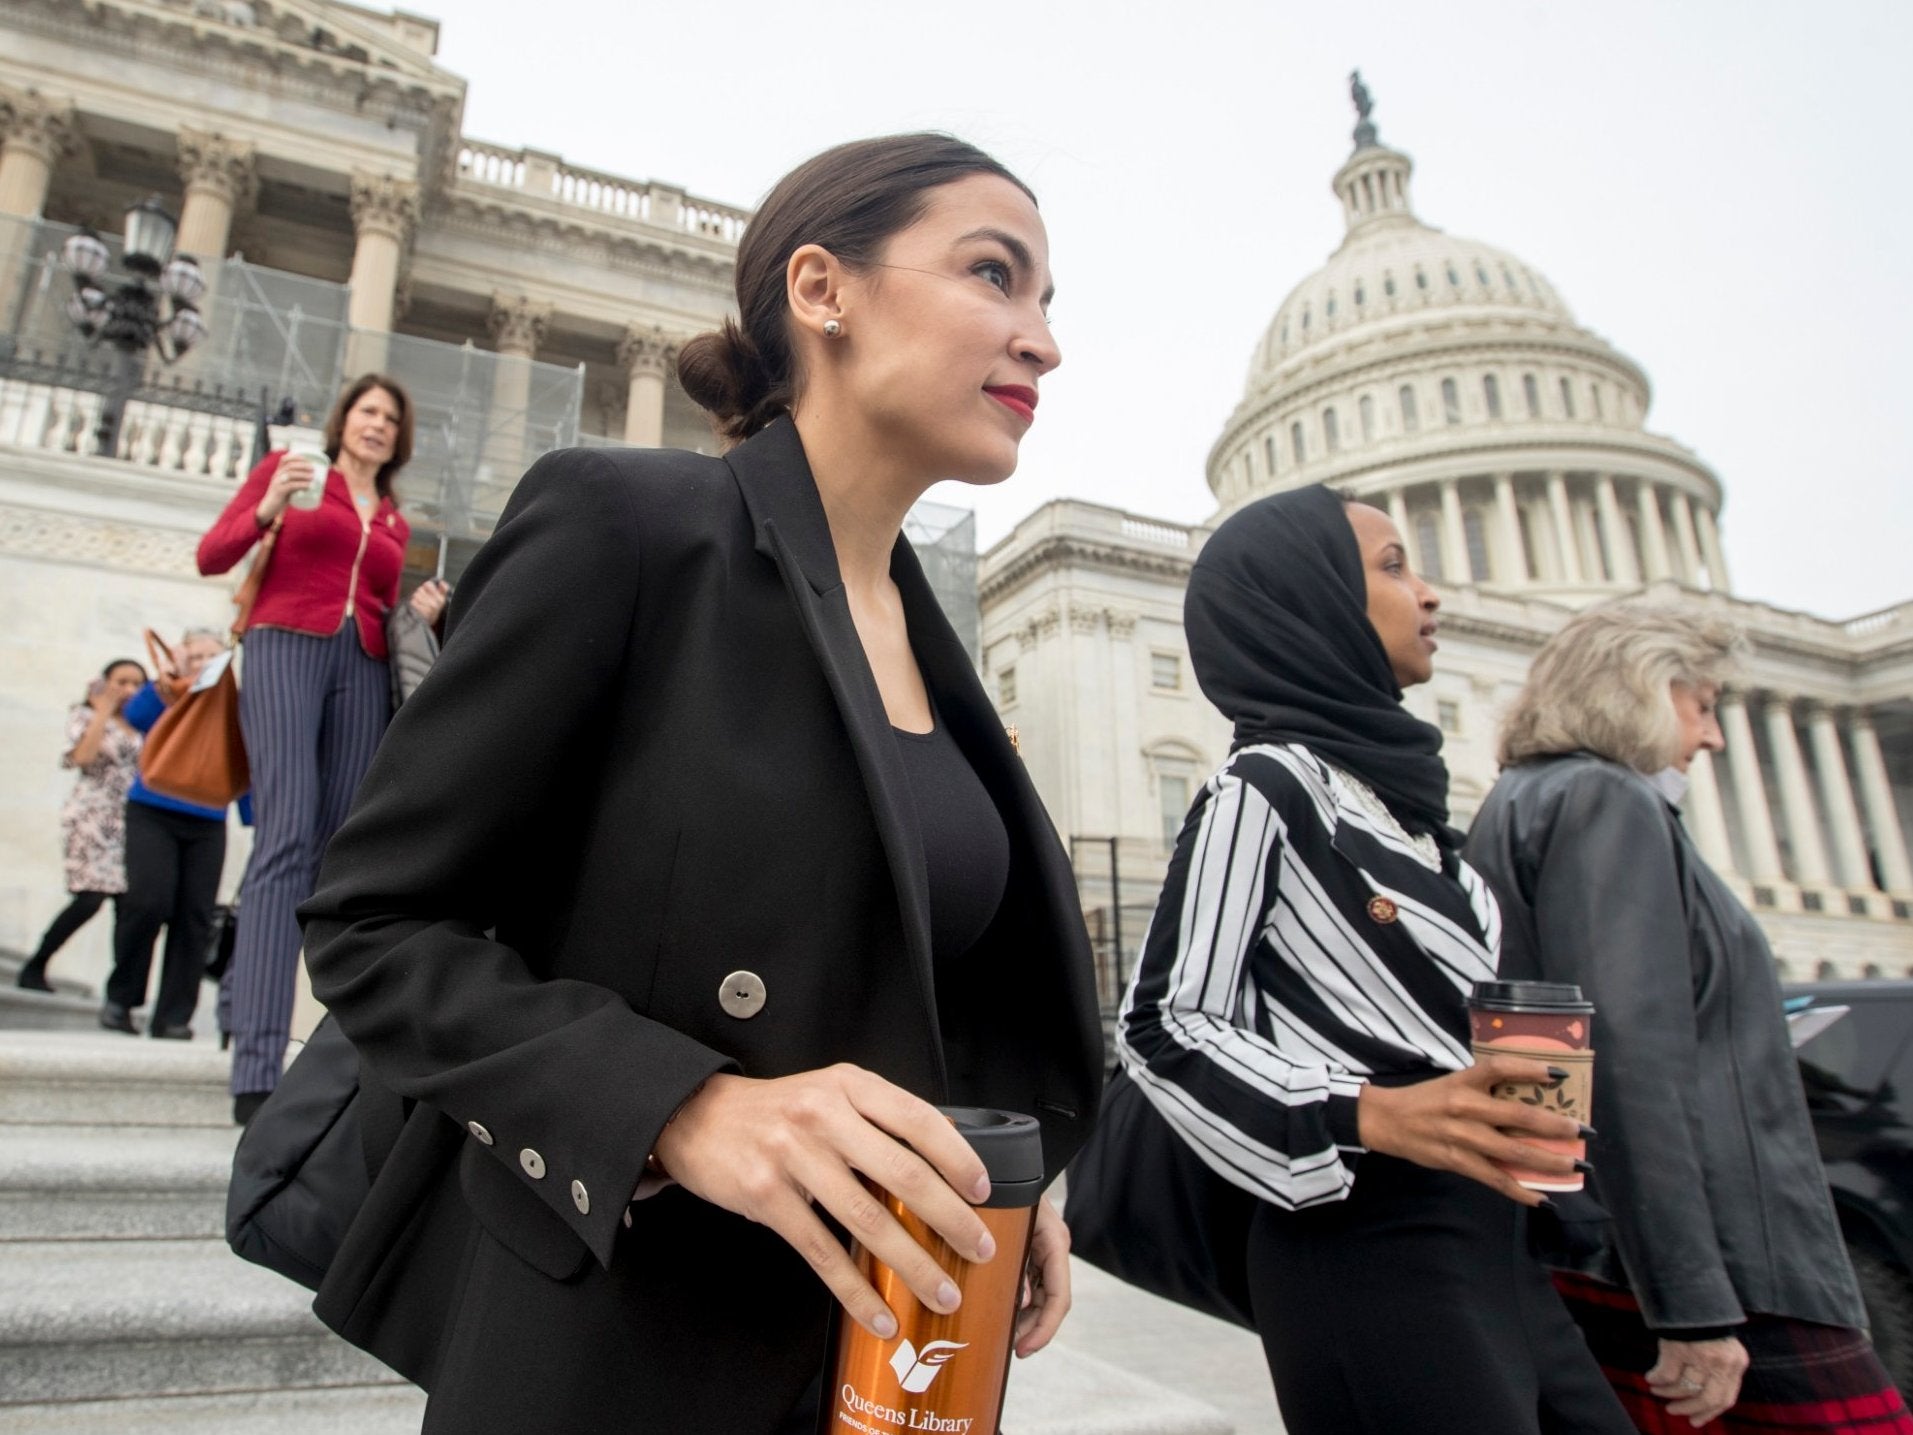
x=1299, y=1013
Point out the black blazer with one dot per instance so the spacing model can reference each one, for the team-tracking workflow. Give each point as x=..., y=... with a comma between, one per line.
x=1706, y=1161
x=651, y=756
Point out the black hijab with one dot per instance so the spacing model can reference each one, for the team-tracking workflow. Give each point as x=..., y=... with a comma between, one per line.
x=1277, y=619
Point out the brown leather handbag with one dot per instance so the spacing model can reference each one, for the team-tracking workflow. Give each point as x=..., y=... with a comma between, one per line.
x=248, y=591
x=195, y=752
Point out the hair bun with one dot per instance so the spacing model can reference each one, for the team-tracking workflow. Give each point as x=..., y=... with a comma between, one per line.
x=724, y=375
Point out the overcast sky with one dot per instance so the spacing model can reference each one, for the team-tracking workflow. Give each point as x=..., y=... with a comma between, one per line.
x=1719, y=189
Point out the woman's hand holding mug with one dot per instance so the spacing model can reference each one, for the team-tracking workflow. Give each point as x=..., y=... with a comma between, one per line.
x=1451, y=1123
x=295, y=472
x=767, y=1149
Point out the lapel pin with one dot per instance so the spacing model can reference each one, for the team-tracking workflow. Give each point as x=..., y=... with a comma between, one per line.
x=1382, y=910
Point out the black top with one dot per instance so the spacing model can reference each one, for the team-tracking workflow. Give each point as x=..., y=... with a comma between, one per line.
x=965, y=846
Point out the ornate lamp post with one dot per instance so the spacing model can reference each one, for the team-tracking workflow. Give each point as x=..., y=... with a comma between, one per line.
x=131, y=318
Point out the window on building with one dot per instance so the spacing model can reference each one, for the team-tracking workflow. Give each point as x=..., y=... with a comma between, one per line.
x=1411, y=419
x=1331, y=430
x=1268, y=452
x=1295, y=442
x=1421, y=279
x=1453, y=278
x=1366, y=409
x=1165, y=672
x=1474, y=529
x=1428, y=546
x=1594, y=393
x=1526, y=525
x=1361, y=294
x=1567, y=398
x=1451, y=401
x=1006, y=688
x=1305, y=318
x=1388, y=285
x=1491, y=395
x=1172, y=794
x=1531, y=391
x=1448, y=716
x=1328, y=309
x=1481, y=274
x=1513, y=288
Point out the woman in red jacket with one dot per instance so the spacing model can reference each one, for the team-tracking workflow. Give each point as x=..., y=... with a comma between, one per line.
x=316, y=695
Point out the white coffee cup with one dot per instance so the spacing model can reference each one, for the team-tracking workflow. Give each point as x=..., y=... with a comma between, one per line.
x=307, y=444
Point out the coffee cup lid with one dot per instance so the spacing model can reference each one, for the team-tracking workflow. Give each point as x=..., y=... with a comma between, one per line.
x=1529, y=996
x=1010, y=1143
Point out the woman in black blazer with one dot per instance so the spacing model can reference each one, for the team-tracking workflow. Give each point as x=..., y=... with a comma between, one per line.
x=700, y=866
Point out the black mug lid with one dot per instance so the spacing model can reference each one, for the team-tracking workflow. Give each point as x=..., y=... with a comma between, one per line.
x=1529, y=996
x=1010, y=1143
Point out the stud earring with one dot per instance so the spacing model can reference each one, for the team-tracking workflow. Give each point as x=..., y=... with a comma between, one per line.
x=832, y=328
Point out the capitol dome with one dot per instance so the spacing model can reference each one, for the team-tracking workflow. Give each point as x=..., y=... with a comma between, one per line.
x=1446, y=380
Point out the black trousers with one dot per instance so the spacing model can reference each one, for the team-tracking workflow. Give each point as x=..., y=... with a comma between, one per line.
x=173, y=863
x=75, y=915
x=1415, y=1306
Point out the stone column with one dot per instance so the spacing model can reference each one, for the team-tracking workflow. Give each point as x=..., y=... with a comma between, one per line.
x=517, y=325
x=1743, y=758
x=1796, y=798
x=1398, y=514
x=219, y=176
x=647, y=355
x=35, y=134
x=1836, y=795
x=384, y=211
x=1710, y=546
x=1564, y=540
x=1658, y=563
x=1454, y=535
x=1684, y=538
x=1883, y=816
x=1706, y=816
x=1625, y=568
x=1513, y=554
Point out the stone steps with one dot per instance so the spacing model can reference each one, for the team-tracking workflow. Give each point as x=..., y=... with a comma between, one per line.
x=106, y=1320
x=96, y=1078
x=101, y=1183
x=121, y=1308
x=342, y=1410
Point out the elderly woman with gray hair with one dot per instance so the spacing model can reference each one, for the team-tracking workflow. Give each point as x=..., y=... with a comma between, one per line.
x=1704, y=1262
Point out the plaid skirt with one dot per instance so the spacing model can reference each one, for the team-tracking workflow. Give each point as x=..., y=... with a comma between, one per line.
x=1800, y=1376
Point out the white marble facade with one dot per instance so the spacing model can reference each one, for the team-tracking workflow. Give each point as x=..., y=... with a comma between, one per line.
x=1446, y=381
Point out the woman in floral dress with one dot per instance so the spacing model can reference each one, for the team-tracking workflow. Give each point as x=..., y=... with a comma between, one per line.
x=105, y=750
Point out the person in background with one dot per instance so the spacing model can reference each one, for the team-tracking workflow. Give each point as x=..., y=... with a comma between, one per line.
x=1704, y=1262
x=316, y=694
x=104, y=747
x=174, y=853
x=1299, y=1014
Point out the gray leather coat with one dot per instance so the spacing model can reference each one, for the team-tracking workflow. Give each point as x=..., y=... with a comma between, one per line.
x=1715, y=1205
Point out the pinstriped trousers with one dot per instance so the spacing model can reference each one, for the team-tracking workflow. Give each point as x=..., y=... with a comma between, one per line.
x=313, y=710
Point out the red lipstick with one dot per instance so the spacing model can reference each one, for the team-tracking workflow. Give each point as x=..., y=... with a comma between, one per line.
x=1015, y=397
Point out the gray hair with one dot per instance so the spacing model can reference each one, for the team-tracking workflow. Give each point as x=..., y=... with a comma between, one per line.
x=1604, y=683
x=192, y=633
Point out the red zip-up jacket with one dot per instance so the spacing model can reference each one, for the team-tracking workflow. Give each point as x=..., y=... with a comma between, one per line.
x=327, y=565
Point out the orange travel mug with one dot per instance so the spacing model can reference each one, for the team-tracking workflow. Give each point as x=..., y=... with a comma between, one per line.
x=944, y=1372
x=1542, y=1021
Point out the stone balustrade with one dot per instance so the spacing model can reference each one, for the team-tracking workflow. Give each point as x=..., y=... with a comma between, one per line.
x=547, y=176
x=58, y=418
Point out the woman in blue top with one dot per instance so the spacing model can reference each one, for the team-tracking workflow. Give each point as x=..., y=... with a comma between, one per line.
x=174, y=854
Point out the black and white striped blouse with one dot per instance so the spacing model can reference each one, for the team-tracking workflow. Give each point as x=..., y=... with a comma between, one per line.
x=1303, y=945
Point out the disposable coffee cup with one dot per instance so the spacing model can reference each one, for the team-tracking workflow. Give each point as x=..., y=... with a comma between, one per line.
x=1549, y=1022
x=943, y=1372
x=307, y=444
